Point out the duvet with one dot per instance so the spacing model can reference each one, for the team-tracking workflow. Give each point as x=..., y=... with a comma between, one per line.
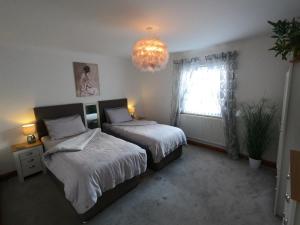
x=92, y=163
x=160, y=139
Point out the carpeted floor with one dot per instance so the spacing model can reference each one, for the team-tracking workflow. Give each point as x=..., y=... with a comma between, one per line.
x=202, y=187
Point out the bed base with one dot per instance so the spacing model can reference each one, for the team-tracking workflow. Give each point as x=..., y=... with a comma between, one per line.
x=168, y=159
x=107, y=198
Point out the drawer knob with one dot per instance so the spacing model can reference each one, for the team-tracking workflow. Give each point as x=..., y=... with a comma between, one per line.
x=31, y=160
x=30, y=167
x=288, y=176
x=287, y=197
x=285, y=221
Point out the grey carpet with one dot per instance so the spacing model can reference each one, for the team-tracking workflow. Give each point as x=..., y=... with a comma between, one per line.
x=202, y=187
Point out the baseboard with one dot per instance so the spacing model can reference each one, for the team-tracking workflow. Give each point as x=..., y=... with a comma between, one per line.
x=8, y=175
x=223, y=150
x=206, y=145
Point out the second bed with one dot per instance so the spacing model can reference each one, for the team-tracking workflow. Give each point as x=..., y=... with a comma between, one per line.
x=163, y=143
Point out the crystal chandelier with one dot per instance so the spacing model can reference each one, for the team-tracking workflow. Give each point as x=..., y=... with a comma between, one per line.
x=150, y=54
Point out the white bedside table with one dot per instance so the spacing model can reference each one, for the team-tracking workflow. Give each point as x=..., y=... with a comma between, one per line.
x=28, y=159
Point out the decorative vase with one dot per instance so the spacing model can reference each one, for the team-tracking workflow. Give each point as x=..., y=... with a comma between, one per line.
x=254, y=163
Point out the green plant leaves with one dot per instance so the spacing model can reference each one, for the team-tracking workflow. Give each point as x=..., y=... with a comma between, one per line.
x=258, y=119
x=287, y=38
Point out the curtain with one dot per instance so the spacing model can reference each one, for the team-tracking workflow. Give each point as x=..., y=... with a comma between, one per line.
x=227, y=63
x=182, y=71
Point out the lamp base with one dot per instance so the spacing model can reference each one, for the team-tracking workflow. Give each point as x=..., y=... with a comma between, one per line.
x=31, y=139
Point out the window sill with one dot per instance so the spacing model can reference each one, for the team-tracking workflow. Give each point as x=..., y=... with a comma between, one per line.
x=199, y=115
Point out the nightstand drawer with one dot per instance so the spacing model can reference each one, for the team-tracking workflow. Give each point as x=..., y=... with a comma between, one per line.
x=31, y=166
x=29, y=161
x=30, y=153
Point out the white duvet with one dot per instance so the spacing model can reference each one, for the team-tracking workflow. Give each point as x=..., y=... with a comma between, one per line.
x=160, y=139
x=92, y=163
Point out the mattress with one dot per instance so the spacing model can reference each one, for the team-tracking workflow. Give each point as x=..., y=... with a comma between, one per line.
x=159, y=139
x=102, y=164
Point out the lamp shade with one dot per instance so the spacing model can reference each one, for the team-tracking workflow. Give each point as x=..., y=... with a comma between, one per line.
x=150, y=55
x=28, y=129
x=131, y=109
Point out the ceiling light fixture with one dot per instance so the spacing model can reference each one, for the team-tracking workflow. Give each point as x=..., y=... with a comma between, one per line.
x=150, y=54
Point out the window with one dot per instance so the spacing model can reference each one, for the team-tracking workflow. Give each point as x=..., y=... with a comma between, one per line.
x=203, y=92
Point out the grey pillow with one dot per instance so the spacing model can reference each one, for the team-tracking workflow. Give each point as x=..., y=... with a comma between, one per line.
x=117, y=115
x=65, y=127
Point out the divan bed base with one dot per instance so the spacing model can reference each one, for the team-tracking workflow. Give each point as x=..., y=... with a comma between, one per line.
x=168, y=159
x=107, y=198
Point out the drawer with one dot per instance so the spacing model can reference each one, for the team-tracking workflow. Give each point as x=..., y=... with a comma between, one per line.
x=31, y=166
x=29, y=161
x=30, y=153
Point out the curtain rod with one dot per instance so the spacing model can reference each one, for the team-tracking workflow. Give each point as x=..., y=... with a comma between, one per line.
x=228, y=54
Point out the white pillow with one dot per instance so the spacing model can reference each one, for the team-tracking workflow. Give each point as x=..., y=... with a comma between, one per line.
x=117, y=115
x=65, y=127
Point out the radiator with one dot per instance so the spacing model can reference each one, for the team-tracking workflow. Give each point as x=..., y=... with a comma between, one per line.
x=208, y=130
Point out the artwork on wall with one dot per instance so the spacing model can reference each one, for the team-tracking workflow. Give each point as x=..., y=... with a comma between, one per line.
x=86, y=79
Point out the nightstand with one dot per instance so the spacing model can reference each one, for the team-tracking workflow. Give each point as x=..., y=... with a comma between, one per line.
x=28, y=159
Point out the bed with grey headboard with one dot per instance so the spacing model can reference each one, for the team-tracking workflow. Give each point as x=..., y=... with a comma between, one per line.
x=117, y=103
x=57, y=111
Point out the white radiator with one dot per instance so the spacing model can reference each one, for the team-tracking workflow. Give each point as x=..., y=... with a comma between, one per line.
x=204, y=129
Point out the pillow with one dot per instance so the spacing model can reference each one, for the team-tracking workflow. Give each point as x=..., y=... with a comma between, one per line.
x=117, y=115
x=65, y=127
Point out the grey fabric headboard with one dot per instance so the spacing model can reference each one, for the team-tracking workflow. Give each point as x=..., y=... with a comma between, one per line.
x=54, y=112
x=114, y=103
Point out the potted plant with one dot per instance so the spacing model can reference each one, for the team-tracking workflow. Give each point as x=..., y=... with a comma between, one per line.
x=258, y=119
x=287, y=38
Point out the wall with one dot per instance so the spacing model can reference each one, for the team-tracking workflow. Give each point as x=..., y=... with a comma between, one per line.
x=260, y=74
x=37, y=76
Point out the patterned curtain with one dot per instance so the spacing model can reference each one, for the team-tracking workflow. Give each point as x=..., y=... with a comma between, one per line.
x=227, y=63
x=182, y=71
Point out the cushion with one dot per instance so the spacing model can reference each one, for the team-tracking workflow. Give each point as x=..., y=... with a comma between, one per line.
x=117, y=115
x=65, y=127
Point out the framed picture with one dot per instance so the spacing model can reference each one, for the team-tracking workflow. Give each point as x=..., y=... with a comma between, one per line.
x=86, y=79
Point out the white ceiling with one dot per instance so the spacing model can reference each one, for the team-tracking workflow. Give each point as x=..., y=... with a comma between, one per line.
x=112, y=26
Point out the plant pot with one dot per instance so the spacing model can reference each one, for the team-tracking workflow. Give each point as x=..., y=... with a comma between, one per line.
x=254, y=163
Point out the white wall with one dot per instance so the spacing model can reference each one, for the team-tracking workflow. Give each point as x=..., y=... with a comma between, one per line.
x=260, y=75
x=36, y=76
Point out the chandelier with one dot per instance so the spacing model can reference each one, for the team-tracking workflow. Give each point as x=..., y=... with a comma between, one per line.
x=150, y=54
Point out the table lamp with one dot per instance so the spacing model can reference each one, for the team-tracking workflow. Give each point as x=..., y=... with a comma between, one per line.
x=29, y=130
x=131, y=110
